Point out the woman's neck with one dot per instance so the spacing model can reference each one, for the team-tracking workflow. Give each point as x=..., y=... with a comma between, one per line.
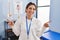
x=29, y=17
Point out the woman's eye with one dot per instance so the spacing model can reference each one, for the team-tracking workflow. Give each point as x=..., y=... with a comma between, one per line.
x=34, y=9
x=30, y=8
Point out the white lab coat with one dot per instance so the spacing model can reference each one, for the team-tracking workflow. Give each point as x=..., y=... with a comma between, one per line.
x=35, y=31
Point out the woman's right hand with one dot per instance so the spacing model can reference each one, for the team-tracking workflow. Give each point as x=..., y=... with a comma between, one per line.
x=10, y=23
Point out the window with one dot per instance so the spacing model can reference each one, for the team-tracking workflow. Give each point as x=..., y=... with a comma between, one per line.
x=43, y=10
x=43, y=2
x=43, y=14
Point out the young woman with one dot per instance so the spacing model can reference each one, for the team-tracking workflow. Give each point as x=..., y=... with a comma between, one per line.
x=28, y=27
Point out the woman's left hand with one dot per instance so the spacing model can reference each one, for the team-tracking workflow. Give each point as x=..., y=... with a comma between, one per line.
x=46, y=24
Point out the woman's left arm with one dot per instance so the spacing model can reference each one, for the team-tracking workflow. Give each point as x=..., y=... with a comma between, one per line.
x=40, y=29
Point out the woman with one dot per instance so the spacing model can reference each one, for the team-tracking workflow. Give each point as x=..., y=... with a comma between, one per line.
x=28, y=27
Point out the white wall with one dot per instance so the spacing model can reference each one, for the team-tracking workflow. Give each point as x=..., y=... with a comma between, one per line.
x=55, y=16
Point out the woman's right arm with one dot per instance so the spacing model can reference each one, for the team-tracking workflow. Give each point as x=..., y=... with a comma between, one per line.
x=15, y=27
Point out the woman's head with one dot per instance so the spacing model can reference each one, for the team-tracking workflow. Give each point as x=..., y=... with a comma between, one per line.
x=30, y=8
x=30, y=3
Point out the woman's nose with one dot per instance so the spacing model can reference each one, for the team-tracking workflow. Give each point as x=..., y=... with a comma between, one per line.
x=32, y=10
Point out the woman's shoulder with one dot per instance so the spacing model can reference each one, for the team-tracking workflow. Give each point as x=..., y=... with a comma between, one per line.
x=36, y=19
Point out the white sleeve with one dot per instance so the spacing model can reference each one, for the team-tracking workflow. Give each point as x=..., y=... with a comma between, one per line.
x=17, y=28
x=40, y=29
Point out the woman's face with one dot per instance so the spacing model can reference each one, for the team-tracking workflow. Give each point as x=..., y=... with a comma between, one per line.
x=30, y=10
